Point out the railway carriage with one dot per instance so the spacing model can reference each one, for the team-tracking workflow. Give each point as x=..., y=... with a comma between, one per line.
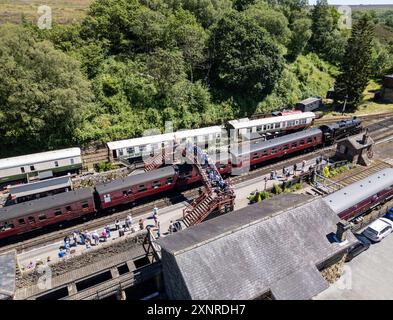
x=49, y=163
x=270, y=126
x=27, y=216
x=131, y=188
x=359, y=197
x=138, y=148
x=249, y=154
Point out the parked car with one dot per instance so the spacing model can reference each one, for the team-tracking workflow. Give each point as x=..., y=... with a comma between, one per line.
x=362, y=245
x=379, y=229
x=389, y=214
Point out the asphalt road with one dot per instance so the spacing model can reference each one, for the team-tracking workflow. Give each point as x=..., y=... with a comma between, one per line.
x=368, y=276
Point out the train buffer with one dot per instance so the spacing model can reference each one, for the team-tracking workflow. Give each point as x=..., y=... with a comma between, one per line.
x=218, y=196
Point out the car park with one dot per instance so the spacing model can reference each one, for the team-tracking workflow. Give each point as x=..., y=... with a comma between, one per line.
x=362, y=245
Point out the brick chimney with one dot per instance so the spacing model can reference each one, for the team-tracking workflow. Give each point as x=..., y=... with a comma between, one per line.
x=342, y=229
x=365, y=137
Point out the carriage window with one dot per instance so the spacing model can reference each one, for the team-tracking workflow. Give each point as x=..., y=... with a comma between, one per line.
x=156, y=184
x=31, y=219
x=68, y=208
x=255, y=156
x=72, y=161
x=309, y=140
x=286, y=147
x=125, y=193
x=294, y=145
x=169, y=180
x=8, y=226
x=259, y=128
x=274, y=151
x=22, y=169
x=141, y=188
x=121, y=152
x=41, y=217
x=277, y=125
x=142, y=148
x=264, y=153
x=107, y=198
x=56, y=163
x=301, y=142
x=85, y=205
x=130, y=150
x=32, y=168
x=22, y=221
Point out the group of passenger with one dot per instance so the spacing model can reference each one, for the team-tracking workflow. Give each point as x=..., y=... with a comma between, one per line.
x=212, y=173
x=89, y=239
x=286, y=172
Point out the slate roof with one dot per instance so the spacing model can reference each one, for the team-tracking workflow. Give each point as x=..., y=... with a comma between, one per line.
x=7, y=275
x=134, y=180
x=275, y=245
x=50, y=202
x=39, y=187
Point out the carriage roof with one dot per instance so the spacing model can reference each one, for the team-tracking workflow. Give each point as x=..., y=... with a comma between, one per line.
x=236, y=124
x=355, y=193
x=39, y=157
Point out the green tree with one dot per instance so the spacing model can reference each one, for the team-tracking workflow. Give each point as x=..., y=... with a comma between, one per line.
x=356, y=67
x=326, y=40
x=166, y=67
x=42, y=93
x=245, y=59
x=186, y=34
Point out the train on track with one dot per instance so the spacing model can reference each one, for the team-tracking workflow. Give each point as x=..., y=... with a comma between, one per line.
x=35, y=214
x=58, y=162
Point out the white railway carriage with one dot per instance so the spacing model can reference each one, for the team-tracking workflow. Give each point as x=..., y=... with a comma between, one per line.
x=268, y=126
x=44, y=163
x=139, y=147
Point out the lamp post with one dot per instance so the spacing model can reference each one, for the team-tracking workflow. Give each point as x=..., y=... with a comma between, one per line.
x=345, y=104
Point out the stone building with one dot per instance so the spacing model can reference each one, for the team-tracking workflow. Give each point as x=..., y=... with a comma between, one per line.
x=356, y=149
x=283, y=248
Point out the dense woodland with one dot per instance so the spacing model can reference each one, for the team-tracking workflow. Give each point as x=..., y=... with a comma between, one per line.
x=131, y=65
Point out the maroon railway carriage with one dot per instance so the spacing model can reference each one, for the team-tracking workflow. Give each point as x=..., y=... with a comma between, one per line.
x=27, y=216
x=138, y=186
x=254, y=153
x=358, y=198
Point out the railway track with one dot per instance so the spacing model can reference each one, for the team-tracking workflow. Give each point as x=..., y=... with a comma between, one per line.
x=139, y=210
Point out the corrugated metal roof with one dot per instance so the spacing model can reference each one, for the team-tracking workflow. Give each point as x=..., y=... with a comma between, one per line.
x=249, y=147
x=134, y=180
x=351, y=195
x=39, y=157
x=34, y=206
x=235, y=124
x=309, y=100
x=243, y=254
x=39, y=187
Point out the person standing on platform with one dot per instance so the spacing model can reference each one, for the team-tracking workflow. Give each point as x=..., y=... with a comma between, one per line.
x=117, y=223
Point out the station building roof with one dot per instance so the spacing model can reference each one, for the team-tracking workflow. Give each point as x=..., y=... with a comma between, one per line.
x=39, y=187
x=275, y=246
x=7, y=275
